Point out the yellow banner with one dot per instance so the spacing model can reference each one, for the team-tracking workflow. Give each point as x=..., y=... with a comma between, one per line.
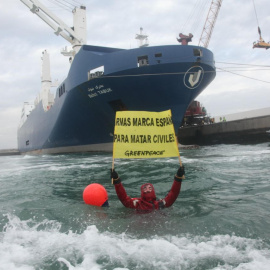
x=141, y=134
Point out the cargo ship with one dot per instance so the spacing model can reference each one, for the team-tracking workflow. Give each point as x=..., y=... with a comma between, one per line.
x=80, y=117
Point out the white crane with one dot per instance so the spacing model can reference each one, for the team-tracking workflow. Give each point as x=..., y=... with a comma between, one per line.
x=75, y=35
x=210, y=23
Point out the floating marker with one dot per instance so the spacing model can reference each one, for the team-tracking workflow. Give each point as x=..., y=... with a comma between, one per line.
x=95, y=194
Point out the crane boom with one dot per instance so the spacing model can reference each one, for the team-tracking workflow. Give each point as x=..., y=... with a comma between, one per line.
x=76, y=36
x=210, y=23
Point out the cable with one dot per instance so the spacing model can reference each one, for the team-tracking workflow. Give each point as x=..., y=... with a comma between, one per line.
x=179, y=73
x=67, y=5
x=64, y=5
x=77, y=2
x=202, y=12
x=189, y=17
x=256, y=13
x=241, y=64
x=60, y=5
x=246, y=70
x=243, y=76
x=196, y=12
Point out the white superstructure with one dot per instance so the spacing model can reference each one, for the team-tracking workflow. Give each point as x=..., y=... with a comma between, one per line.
x=26, y=110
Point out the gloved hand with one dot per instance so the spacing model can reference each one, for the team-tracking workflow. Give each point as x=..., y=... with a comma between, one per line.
x=114, y=174
x=181, y=171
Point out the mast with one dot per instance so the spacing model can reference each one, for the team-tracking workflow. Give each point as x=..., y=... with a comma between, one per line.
x=210, y=23
x=45, y=94
x=75, y=35
x=142, y=38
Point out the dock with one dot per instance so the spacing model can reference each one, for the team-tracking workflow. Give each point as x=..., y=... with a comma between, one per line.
x=243, y=131
x=9, y=152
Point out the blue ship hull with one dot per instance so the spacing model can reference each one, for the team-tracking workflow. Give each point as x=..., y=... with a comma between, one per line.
x=82, y=116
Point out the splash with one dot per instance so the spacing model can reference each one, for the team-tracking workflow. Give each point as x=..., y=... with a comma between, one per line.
x=42, y=245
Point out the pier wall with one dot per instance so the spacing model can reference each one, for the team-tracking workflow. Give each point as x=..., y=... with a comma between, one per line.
x=9, y=152
x=243, y=131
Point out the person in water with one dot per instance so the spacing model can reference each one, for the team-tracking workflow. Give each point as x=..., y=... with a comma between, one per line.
x=148, y=200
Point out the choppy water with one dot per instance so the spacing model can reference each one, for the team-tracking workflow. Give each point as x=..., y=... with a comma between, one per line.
x=220, y=220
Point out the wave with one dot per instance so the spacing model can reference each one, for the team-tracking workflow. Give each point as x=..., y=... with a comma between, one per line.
x=42, y=245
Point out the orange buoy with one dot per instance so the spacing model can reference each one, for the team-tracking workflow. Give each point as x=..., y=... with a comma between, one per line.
x=95, y=194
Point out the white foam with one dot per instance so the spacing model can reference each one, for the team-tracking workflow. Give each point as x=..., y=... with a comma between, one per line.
x=28, y=157
x=30, y=245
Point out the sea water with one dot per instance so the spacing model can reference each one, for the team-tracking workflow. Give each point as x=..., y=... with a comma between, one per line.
x=220, y=220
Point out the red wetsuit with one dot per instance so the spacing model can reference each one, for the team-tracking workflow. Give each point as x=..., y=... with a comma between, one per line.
x=148, y=201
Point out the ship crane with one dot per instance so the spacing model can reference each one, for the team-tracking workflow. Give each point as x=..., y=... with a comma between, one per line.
x=260, y=43
x=75, y=35
x=210, y=23
x=208, y=26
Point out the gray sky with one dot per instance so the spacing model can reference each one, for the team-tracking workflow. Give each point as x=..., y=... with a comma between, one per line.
x=114, y=23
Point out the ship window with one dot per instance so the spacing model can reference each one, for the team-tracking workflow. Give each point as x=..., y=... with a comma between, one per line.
x=158, y=55
x=197, y=52
x=27, y=142
x=95, y=73
x=61, y=90
x=118, y=105
x=142, y=60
